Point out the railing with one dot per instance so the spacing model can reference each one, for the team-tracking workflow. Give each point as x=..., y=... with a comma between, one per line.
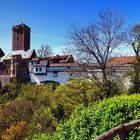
x=121, y=130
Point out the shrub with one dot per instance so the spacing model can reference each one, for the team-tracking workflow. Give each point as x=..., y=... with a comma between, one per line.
x=14, y=112
x=37, y=94
x=43, y=136
x=135, y=77
x=16, y=131
x=10, y=91
x=43, y=121
x=88, y=122
x=110, y=89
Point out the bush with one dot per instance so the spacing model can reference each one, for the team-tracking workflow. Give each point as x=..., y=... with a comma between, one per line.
x=43, y=121
x=88, y=122
x=37, y=94
x=44, y=107
x=10, y=91
x=14, y=112
x=44, y=136
x=16, y=131
x=110, y=89
x=135, y=77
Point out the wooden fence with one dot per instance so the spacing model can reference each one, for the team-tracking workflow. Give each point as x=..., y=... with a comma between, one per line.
x=121, y=131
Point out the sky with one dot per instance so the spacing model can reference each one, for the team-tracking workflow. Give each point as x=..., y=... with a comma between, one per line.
x=49, y=20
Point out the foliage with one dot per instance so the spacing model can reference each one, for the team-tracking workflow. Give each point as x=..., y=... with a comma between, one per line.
x=16, y=131
x=88, y=122
x=78, y=90
x=112, y=88
x=10, y=91
x=43, y=121
x=14, y=112
x=44, y=136
x=135, y=78
x=35, y=93
x=44, y=107
x=59, y=105
x=68, y=96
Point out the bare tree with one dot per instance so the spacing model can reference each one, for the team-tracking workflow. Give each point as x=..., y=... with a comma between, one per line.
x=95, y=43
x=132, y=38
x=44, y=51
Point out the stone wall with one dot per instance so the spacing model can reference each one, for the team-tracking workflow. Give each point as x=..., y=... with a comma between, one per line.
x=4, y=79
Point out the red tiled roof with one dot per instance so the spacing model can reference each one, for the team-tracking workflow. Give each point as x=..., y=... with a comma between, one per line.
x=61, y=59
x=62, y=64
x=121, y=60
x=58, y=57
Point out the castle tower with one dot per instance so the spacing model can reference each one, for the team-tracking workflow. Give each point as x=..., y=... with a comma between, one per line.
x=21, y=37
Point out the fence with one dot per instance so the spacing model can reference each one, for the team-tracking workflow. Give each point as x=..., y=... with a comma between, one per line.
x=121, y=130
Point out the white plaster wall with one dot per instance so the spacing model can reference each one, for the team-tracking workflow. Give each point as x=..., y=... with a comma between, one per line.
x=62, y=77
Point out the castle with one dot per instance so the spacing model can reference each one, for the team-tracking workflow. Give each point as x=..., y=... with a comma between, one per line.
x=23, y=64
x=15, y=63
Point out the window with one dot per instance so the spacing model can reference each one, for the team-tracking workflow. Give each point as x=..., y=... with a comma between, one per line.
x=16, y=62
x=71, y=74
x=36, y=69
x=40, y=69
x=19, y=31
x=34, y=62
x=6, y=71
x=17, y=38
x=17, y=46
x=44, y=70
x=55, y=74
x=14, y=72
x=30, y=63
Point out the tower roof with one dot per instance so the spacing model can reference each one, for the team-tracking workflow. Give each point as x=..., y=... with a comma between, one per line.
x=21, y=26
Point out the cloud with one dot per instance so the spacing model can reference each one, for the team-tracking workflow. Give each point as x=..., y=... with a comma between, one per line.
x=63, y=49
x=50, y=38
x=58, y=49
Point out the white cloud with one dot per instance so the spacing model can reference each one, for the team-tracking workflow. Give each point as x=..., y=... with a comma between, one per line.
x=44, y=36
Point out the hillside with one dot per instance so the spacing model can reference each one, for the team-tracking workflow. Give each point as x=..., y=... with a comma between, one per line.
x=70, y=111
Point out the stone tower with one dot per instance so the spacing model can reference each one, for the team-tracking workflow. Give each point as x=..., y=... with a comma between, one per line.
x=21, y=37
